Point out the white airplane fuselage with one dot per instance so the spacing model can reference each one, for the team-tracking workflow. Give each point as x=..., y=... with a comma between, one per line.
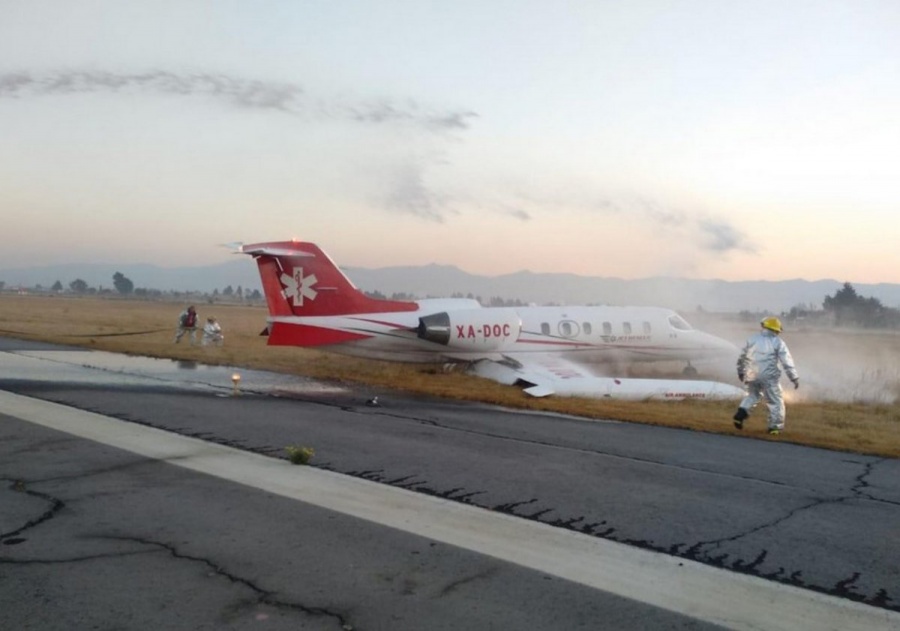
x=544, y=350
x=469, y=332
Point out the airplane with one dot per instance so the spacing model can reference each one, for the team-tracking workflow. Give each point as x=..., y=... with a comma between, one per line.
x=545, y=350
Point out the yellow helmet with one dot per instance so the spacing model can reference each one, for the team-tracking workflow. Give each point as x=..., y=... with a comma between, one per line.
x=771, y=323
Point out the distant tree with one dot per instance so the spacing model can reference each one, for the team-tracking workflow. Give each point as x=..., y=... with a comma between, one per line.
x=239, y=293
x=228, y=291
x=57, y=286
x=255, y=295
x=78, y=286
x=846, y=296
x=850, y=309
x=122, y=284
x=2, y=284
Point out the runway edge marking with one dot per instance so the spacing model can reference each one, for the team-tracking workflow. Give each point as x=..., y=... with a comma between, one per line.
x=733, y=600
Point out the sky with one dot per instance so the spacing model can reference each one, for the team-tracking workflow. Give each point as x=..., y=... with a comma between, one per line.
x=737, y=140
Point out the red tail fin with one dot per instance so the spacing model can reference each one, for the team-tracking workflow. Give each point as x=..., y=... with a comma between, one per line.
x=300, y=279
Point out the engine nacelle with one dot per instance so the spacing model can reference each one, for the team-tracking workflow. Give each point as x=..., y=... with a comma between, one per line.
x=471, y=329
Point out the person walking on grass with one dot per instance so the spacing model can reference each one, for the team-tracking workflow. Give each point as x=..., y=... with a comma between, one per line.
x=759, y=367
x=187, y=323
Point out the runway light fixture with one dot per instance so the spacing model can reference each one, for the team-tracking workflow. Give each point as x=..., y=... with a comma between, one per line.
x=235, y=380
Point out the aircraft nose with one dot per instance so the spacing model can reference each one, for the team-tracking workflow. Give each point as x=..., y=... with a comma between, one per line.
x=721, y=347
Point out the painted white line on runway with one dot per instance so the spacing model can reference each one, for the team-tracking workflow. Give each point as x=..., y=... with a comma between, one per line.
x=725, y=598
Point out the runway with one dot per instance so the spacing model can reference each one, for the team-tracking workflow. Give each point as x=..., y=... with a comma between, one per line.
x=811, y=534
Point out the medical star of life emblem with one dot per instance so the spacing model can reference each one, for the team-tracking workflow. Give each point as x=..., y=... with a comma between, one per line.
x=298, y=286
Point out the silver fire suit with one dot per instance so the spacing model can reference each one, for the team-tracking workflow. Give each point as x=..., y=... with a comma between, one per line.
x=759, y=366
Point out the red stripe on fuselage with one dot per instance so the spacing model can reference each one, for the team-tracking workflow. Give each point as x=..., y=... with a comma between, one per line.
x=285, y=334
x=393, y=325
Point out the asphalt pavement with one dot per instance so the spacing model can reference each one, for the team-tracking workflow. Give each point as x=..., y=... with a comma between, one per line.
x=101, y=536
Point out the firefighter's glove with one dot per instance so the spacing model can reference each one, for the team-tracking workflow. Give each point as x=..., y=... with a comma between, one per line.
x=796, y=383
x=741, y=376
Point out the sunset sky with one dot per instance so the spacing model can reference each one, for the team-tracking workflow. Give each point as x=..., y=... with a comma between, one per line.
x=738, y=140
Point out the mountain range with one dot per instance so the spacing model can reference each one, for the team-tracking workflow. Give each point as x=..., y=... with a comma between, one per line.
x=443, y=280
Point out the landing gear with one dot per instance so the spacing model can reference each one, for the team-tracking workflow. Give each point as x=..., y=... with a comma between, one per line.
x=689, y=371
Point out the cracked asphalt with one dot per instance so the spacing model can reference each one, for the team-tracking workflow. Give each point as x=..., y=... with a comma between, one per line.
x=93, y=537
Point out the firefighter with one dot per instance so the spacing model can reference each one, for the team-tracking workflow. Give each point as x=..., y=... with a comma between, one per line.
x=212, y=333
x=187, y=323
x=759, y=367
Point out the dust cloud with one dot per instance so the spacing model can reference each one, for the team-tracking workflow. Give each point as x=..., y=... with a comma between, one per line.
x=840, y=365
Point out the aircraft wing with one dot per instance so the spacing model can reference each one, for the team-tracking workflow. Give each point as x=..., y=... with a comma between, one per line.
x=541, y=375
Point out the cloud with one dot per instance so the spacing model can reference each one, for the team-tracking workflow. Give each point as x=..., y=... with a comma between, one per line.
x=384, y=111
x=402, y=167
x=722, y=237
x=518, y=213
x=409, y=194
x=709, y=234
x=714, y=235
x=287, y=98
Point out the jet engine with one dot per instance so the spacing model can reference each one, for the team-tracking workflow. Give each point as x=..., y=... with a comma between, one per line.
x=471, y=329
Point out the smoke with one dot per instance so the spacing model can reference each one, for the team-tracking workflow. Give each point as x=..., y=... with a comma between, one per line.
x=846, y=367
x=286, y=98
x=835, y=365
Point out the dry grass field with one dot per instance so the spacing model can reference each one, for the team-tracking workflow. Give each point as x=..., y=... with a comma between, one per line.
x=847, y=400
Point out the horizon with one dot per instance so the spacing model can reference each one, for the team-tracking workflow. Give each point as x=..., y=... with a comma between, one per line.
x=700, y=140
x=346, y=268
x=433, y=281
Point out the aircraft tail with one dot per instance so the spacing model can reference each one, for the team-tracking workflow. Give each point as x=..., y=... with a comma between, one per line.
x=299, y=279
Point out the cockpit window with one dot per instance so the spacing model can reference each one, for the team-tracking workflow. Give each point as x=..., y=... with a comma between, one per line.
x=679, y=323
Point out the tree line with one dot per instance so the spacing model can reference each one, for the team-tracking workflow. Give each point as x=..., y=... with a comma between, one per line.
x=847, y=308
x=122, y=285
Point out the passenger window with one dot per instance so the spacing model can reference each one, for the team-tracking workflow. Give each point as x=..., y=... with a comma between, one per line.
x=626, y=328
x=647, y=328
x=607, y=328
x=566, y=329
x=545, y=328
x=586, y=326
